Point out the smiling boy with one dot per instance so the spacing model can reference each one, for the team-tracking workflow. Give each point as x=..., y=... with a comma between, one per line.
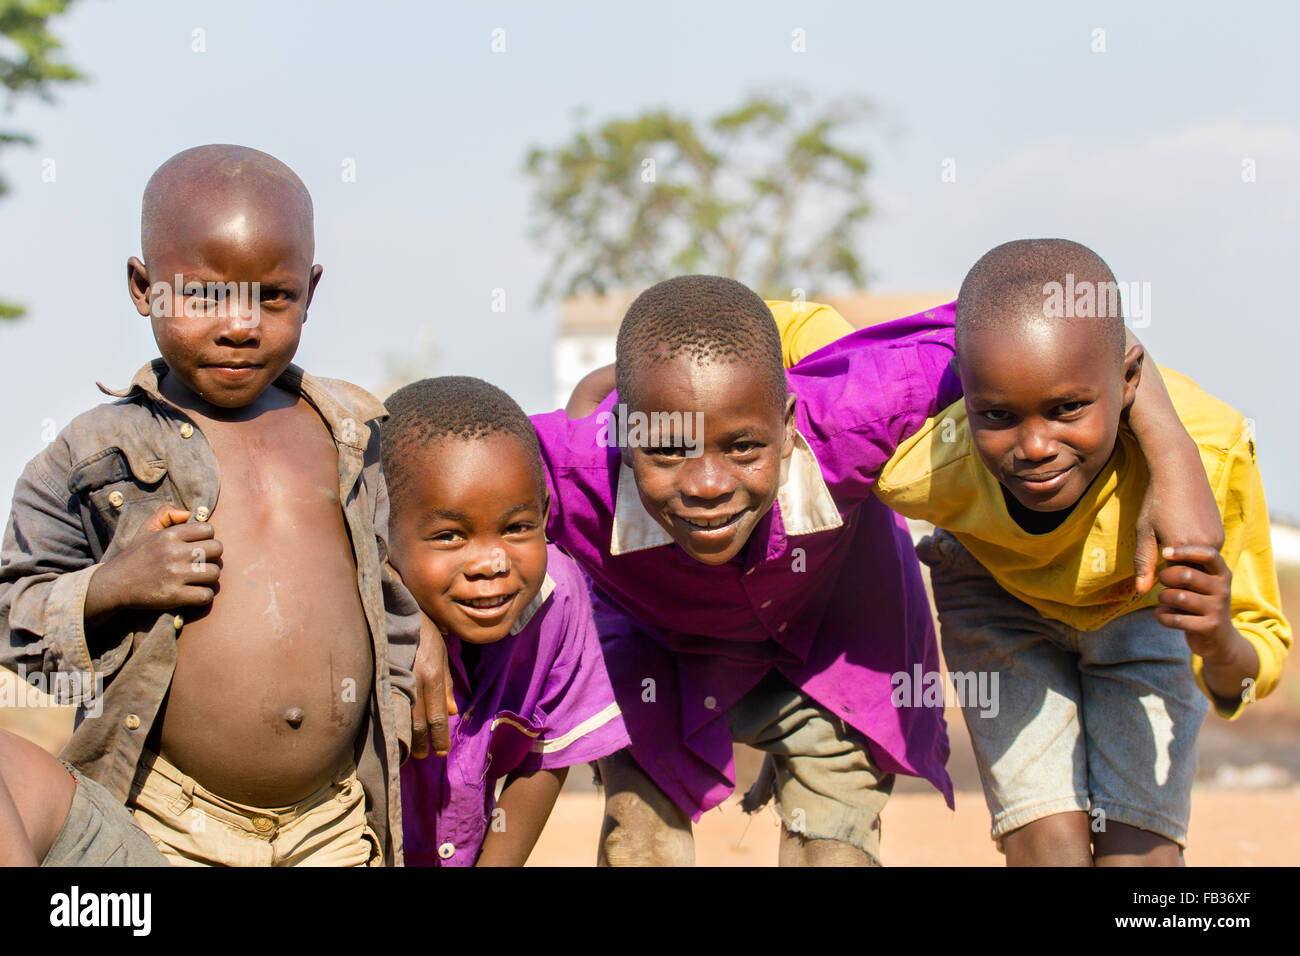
x=1035, y=479
x=212, y=546
x=756, y=591
x=532, y=696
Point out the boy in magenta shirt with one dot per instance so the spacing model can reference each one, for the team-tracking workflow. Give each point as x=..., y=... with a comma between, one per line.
x=533, y=698
x=747, y=584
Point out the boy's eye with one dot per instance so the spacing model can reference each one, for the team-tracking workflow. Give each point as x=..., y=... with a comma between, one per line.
x=745, y=447
x=1069, y=408
x=446, y=537
x=520, y=527
x=666, y=451
x=996, y=416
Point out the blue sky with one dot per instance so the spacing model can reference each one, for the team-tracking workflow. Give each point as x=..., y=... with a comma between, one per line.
x=1137, y=151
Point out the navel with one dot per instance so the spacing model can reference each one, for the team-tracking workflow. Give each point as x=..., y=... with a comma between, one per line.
x=293, y=717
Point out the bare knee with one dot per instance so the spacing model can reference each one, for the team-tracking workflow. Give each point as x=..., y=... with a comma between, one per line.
x=1062, y=839
x=642, y=826
x=1124, y=845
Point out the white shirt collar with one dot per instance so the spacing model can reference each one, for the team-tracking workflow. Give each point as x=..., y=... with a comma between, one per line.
x=547, y=587
x=806, y=504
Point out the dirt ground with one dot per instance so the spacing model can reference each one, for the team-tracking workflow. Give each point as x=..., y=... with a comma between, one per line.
x=1245, y=805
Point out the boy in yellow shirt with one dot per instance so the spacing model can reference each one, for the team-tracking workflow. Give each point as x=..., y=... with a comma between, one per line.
x=1088, y=751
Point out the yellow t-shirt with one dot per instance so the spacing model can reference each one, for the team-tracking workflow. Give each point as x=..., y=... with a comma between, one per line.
x=1082, y=572
x=805, y=327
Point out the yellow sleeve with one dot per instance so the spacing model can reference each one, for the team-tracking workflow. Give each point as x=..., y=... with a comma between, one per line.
x=1248, y=550
x=805, y=327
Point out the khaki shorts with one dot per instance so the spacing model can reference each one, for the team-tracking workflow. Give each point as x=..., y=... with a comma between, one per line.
x=193, y=827
x=819, y=769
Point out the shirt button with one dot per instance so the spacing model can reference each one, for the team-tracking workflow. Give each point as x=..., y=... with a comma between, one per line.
x=263, y=824
x=187, y=430
x=132, y=722
x=446, y=851
x=765, y=604
x=115, y=499
x=710, y=703
x=202, y=513
x=782, y=627
x=178, y=622
x=750, y=571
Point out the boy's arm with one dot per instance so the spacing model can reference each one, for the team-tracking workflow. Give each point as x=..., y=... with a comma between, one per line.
x=46, y=566
x=590, y=392
x=401, y=612
x=1179, y=507
x=1232, y=617
x=520, y=815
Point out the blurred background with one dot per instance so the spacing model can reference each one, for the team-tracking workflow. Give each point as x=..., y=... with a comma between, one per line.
x=494, y=182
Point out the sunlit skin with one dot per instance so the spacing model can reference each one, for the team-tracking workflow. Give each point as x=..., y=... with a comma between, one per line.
x=735, y=479
x=1044, y=399
x=227, y=361
x=468, y=535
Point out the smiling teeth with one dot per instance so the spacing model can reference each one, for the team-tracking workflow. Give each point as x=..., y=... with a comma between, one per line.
x=488, y=602
x=713, y=523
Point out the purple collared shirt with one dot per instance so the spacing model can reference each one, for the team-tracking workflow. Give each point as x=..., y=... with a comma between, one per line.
x=538, y=699
x=828, y=590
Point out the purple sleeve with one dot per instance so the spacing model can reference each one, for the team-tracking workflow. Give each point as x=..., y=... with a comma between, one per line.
x=582, y=719
x=862, y=395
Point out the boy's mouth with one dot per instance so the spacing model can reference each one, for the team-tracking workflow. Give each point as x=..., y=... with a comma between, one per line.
x=1044, y=482
x=708, y=525
x=486, y=610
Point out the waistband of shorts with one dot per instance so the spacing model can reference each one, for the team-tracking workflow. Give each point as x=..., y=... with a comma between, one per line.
x=256, y=817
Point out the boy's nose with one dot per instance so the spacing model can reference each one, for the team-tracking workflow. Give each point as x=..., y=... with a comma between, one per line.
x=239, y=321
x=1035, y=444
x=703, y=478
x=488, y=562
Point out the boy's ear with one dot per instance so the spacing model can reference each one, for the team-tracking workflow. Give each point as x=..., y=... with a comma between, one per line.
x=316, y=272
x=137, y=285
x=787, y=438
x=1133, y=358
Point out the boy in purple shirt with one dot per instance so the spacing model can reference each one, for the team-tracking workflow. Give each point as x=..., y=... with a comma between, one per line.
x=532, y=697
x=748, y=585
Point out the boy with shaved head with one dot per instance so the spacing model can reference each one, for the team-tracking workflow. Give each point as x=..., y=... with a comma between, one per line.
x=1035, y=478
x=210, y=549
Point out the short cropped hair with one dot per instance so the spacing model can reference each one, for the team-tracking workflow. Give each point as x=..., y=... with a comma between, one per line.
x=432, y=410
x=1029, y=277
x=707, y=318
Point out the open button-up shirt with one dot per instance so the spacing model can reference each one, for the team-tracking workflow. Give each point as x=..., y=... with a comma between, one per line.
x=82, y=500
x=828, y=590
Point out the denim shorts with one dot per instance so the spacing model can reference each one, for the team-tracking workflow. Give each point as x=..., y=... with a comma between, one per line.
x=1103, y=721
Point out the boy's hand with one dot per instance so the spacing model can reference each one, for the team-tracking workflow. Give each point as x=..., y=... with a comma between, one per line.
x=170, y=563
x=1178, y=511
x=434, y=699
x=1197, y=599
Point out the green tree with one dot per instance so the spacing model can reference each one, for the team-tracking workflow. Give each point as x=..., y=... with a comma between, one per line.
x=29, y=66
x=765, y=193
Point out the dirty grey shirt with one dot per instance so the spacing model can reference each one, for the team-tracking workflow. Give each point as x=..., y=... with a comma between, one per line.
x=81, y=501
